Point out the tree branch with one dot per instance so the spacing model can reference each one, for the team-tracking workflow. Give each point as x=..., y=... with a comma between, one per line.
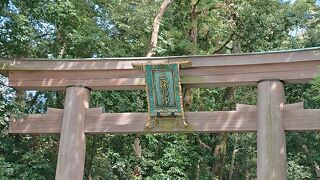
x=155, y=28
x=202, y=144
x=196, y=3
x=33, y=101
x=224, y=44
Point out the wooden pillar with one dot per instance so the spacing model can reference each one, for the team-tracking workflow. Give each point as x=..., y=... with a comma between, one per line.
x=72, y=139
x=271, y=143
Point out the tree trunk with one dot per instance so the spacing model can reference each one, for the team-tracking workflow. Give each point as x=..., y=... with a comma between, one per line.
x=219, y=152
x=19, y=98
x=155, y=29
x=233, y=158
x=138, y=152
x=137, y=147
x=193, y=36
x=194, y=25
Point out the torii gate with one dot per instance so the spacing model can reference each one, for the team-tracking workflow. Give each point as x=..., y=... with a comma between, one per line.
x=271, y=118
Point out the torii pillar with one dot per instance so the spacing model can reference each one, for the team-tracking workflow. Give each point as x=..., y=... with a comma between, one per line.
x=271, y=142
x=72, y=145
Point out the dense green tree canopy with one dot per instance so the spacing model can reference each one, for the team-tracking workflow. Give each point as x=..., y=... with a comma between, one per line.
x=114, y=28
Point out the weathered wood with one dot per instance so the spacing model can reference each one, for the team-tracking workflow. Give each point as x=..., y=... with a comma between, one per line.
x=300, y=55
x=37, y=124
x=194, y=77
x=118, y=74
x=95, y=111
x=271, y=144
x=54, y=111
x=93, y=83
x=72, y=139
x=245, y=79
x=36, y=75
x=220, y=121
x=244, y=119
x=295, y=118
x=90, y=111
x=298, y=119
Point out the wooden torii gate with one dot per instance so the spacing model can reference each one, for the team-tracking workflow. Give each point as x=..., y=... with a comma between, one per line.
x=270, y=119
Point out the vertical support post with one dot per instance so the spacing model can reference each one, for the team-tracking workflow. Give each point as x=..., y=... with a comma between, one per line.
x=72, y=139
x=271, y=143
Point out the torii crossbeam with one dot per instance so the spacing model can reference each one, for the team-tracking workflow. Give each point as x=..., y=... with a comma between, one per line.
x=270, y=118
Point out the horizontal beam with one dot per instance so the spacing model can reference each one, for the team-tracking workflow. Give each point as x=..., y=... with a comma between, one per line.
x=295, y=55
x=135, y=123
x=118, y=74
x=294, y=72
x=228, y=121
x=49, y=123
x=298, y=119
x=37, y=124
x=244, y=119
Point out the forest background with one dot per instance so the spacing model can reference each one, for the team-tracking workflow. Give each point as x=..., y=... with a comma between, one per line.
x=118, y=28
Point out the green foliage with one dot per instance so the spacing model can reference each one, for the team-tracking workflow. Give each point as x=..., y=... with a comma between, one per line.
x=120, y=101
x=297, y=171
x=312, y=95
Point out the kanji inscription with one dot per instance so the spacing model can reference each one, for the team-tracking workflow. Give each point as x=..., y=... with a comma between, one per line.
x=164, y=91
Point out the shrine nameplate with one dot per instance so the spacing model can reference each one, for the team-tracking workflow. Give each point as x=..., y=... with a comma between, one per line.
x=164, y=92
